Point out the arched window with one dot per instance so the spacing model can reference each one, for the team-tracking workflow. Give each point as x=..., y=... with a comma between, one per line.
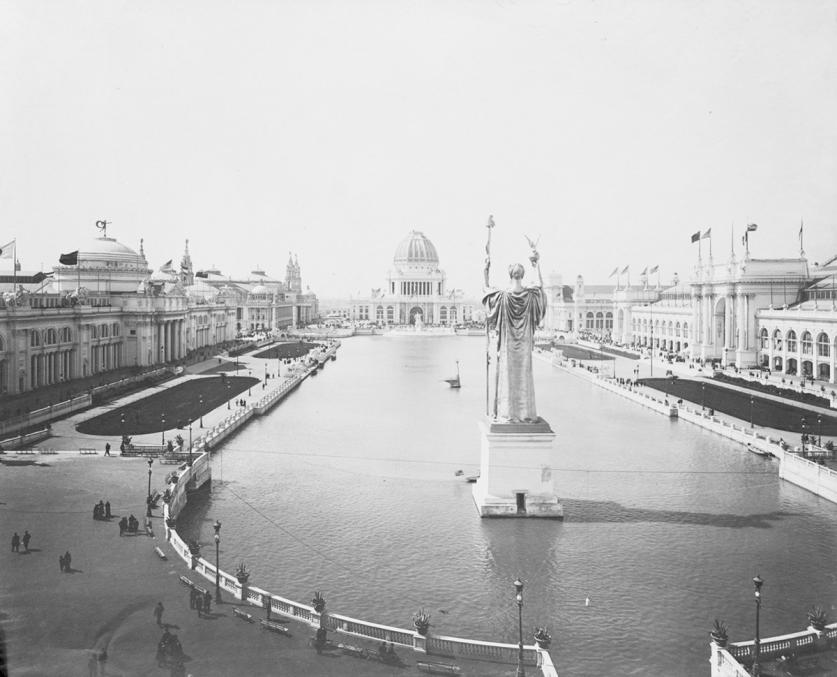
x=50, y=337
x=390, y=314
x=599, y=320
x=115, y=329
x=791, y=338
x=379, y=313
x=764, y=338
x=777, y=340
x=104, y=331
x=34, y=338
x=807, y=343
x=685, y=333
x=94, y=332
x=823, y=345
x=589, y=321
x=608, y=320
x=443, y=314
x=66, y=335
x=452, y=315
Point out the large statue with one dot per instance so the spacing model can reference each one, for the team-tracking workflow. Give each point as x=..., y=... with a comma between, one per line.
x=514, y=314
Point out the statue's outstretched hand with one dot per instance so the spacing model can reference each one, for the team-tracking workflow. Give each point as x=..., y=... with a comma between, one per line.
x=534, y=258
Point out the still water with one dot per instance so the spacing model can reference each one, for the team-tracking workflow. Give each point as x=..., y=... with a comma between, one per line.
x=348, y=488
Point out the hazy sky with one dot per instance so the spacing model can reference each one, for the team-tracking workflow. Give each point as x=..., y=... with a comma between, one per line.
x=613, y=130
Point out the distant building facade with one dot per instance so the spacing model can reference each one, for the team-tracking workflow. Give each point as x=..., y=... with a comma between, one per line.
x=415, y=291
x=110, y=310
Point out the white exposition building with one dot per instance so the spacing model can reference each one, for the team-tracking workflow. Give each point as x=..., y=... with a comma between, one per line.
x=778, y=313
x=415, y=291
x=110, y=310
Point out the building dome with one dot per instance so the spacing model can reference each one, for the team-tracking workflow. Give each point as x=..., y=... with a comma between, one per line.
x=259, y=289
x=106, y=250
x=416, y=249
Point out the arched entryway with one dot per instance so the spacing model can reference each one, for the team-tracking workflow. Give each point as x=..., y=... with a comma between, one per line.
x=720, y=322
x=416, y=312
x=791, y=366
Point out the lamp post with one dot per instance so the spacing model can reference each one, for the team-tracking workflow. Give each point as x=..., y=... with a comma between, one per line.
x=122, y=422
x=751, y=411
x=163, y=432
x=228, y=396
x=803, y=434
x=703, y=397
x=249, y=389
x=190, y=443
x=518, y=586
x=757, y=583
x=217, y=527
x=148, y=497
x=819, y=431
x=200, y=403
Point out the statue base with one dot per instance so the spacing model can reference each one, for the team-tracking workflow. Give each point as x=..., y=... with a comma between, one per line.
x=516, y=471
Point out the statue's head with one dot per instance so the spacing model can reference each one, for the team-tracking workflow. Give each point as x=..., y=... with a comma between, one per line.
x=516, y=271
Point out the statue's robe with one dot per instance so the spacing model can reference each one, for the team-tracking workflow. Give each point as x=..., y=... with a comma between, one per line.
x=515, y=316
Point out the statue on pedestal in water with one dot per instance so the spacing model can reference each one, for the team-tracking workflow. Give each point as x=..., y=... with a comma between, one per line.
x=515, y=314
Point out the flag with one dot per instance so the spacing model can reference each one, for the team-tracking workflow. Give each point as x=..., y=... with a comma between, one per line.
x=644, y=271
x=166, y=267
x=708, y=233
x=102, y=225
x=201, y=273
x=70, y=259
x=7, y=250
x=696, y=236
x=615, y=270
x=751, y=227
x=654, y=270
x=625, y=269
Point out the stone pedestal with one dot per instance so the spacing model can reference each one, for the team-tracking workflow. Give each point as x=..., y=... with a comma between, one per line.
x=516, y=471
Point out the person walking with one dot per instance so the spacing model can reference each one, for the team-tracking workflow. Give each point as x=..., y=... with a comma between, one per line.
x=61, y=563
x=67, y=560
x=15, y=543
x=107, y=509
x=107, y=448
x=207, y=602
x=26, y=538
x=158, y=613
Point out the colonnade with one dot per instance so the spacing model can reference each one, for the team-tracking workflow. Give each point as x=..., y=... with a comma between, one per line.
x=170, y=334
x=417, y=288
x=105, y=357
x=53, y=367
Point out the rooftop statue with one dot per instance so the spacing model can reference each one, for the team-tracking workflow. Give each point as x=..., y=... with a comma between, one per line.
x=514, y=314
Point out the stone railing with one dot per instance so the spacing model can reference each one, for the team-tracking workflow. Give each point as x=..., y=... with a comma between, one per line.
x=430, y=644
x=45, y=414
x=24, y=440
x=809, y=475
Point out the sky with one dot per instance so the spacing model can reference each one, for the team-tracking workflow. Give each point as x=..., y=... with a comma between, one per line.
x=609, y=130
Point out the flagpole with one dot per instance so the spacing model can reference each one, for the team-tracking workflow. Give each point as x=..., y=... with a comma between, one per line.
x=489, y=226
x=14, y=267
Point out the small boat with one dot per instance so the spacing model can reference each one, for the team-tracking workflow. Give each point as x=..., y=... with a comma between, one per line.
x=759, y=452
x=454, y=382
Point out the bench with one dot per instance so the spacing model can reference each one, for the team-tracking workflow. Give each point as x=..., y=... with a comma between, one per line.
x=244, y=616
x=186, y=581
x=350, y=650
x=439, y=668
x=161, y=554
x=87, y=452
x=273, y=626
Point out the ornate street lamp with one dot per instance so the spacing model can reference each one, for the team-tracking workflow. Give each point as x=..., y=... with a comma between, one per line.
x=122, y=422
x=757, y=583
x=217, y=527
x=148, y=497
x=163, y=432
x=200, y=402
x=249, y=389
x=819, y=431
x=229, y=396
x=702, y=396
x=803, y=434
x=190, y=443
x=751, y=411
x=518, y=585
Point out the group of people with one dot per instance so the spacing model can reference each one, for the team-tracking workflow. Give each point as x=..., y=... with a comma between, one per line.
x=65, y=562
x=201, y=600
x=101, y=511
x=241, y=403
x=129, y=524
x=17, y=540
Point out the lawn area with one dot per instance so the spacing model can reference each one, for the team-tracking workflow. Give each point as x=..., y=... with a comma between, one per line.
x=225, y=366
x=765, y=412
x=285, y=350
x=578, y=353
x=180, y=404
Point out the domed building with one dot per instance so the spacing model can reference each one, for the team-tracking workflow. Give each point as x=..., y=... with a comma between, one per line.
x=104, y=266
x=415, y=291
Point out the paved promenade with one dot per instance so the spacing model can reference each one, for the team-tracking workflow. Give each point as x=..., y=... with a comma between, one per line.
x=55, y=623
